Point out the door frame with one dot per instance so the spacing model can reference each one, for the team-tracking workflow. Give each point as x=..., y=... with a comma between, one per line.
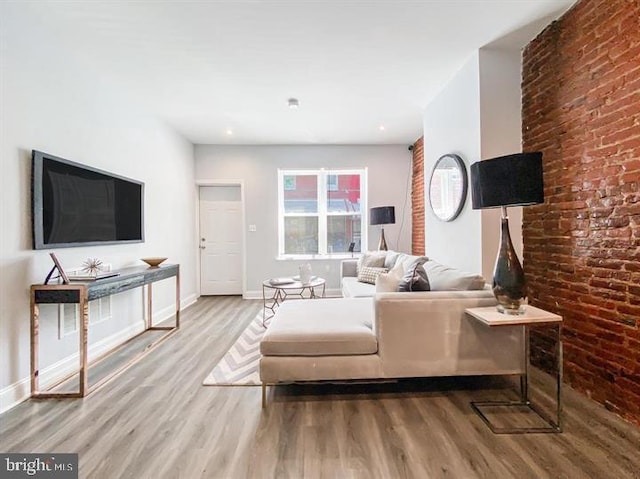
x=243, y=246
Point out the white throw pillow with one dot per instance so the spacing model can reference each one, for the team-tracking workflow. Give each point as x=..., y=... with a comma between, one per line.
x=388, y=282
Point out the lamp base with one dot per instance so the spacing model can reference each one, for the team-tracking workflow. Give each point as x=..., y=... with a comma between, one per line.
x=382, y=245
x=508, y=275
x=512, y=311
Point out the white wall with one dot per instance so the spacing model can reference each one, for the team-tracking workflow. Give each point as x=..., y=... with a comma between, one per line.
x=501, y=134
x=452, y=125
x=52, y=103
x=477, y=116
x=388, y=176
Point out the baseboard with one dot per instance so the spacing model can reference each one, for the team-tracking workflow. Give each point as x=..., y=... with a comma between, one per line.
x=329, y=293
x=19, y=391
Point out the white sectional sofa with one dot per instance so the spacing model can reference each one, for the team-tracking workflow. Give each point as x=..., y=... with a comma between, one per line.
x=369, y=335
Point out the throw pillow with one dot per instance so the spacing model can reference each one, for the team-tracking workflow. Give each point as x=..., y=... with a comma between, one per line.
x=373, y=259
x=446, y=278
x=388, y=282
x=368, y=274
x=390, y=259
x=407, y=260
x=415, y=278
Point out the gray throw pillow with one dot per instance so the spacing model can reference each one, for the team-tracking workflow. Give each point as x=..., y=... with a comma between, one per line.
x=371, y=259
x=415, y=278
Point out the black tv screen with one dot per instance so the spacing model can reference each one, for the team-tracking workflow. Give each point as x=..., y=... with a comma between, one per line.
x=75, y=205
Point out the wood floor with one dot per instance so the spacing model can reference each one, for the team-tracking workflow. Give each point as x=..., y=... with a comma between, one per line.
x=158, y=421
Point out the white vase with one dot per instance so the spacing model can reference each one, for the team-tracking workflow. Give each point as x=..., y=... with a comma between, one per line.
x=305, y=273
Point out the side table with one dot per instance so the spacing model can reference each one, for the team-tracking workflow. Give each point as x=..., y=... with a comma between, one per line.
x=490, y=317
x=281, y=291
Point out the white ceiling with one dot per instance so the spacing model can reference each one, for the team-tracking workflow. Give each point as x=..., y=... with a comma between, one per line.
x=206, y=67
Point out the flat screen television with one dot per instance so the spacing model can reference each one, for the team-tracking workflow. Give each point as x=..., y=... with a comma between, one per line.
x=75, y=205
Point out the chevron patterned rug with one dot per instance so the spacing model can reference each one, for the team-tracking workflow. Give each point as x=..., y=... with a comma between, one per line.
x=239, y=366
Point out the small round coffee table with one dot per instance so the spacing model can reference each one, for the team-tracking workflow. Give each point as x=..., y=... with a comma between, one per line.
x=273, y=294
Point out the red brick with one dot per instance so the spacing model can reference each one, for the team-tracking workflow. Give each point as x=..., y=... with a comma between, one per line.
x=417, y=199
x=581, y=108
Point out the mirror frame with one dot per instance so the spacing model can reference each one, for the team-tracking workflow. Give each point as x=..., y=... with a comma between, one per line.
x=465, y=184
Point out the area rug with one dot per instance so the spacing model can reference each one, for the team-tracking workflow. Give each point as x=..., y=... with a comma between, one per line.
x=239, y=366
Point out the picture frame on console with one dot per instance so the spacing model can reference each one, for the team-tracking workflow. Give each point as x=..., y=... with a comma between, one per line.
x=57, y=266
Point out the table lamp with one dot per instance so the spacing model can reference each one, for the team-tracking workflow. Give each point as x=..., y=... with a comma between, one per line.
x=512, y=180
x=382, y=215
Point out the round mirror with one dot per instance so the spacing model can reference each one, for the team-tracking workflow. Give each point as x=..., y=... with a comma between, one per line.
x=448, y=187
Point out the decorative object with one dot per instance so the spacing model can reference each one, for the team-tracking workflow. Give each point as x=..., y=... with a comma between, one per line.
x=154, y=262
x=279, y=281
x=415, y=278
x=305, y=273
x=58, y=266
x=388, y=282
x=369, y=274
x=92, y=266
x=373, y=258
x=448, y=187
x=512, y=180
x=382, y=215
x=241, y=363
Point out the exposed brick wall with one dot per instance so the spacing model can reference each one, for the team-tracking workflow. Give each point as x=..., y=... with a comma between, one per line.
x=417, y=198
x=581, y=108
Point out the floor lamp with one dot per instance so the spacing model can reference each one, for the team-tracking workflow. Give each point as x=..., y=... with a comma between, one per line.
x=382, y=215
x=512, y=180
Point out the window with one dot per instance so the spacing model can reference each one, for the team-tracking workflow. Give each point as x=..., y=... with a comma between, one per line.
x=320, y=211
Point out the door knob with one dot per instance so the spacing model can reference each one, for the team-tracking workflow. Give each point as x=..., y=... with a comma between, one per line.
x=203, y=247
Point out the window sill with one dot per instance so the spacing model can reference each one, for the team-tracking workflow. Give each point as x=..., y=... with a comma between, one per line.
x=317, y=257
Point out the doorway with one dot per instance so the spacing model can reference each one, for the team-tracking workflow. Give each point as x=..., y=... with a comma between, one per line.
x=221, y=240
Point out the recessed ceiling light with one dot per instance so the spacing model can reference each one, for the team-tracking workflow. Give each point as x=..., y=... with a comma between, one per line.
x=381, y=128
x=229, y=131
x=293, y=103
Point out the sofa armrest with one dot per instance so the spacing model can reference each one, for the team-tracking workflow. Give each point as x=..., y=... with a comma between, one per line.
x=349, y=268
x=430, y=330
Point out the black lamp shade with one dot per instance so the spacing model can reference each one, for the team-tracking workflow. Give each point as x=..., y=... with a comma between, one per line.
x=382, y=215
x=512, y=180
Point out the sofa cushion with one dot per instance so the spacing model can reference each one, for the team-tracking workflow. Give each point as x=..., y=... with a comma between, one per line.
x=352, y=288
x=321, y=327
x=415, y=278
x=446, y=278
x=368, y=274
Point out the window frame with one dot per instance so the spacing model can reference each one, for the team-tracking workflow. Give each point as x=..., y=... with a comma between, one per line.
x=322, y=214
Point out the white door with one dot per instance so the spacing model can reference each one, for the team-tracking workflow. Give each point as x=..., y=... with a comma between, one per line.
x=220, y=240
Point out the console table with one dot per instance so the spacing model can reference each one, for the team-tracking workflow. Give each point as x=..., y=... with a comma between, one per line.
x=490, y=317
x=81, y=293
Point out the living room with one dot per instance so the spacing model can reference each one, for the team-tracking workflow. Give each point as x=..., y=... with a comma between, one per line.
x=569, y=89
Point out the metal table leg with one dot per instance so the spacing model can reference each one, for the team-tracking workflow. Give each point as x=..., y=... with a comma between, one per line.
x=551, y=425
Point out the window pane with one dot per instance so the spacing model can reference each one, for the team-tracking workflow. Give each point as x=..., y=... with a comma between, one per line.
x=342, y=230
x=300, y=193
x=301, y=235
x=343, y=194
